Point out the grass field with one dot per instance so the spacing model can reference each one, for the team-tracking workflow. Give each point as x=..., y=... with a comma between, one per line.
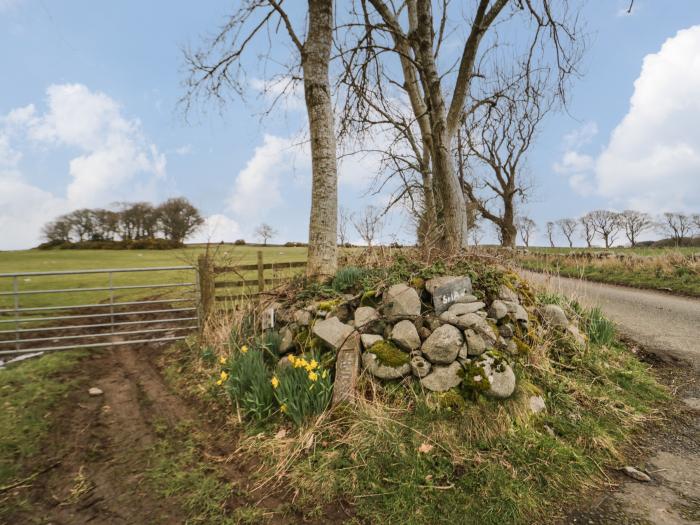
x=62, y=260
x=669, y=269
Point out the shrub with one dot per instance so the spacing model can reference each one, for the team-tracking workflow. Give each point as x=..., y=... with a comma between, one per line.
x=239, y=242
x=348, y=278
x=247, y=382
x=303, y=389
x=292, y=244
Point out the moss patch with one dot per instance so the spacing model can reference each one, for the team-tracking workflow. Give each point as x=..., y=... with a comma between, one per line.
x=389, y=354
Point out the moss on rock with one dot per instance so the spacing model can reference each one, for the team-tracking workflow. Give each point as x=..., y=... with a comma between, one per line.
x=389, y=354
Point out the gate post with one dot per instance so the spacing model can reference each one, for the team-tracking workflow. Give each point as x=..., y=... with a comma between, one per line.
x=205, y=271
x=261, y=272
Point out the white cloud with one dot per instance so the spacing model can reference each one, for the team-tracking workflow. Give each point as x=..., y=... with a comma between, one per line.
x=257, y=187
x=581, y=136
x=652, y=161
x=284, y=92
x=116, y=161
x=574, y=162
x=217, y=228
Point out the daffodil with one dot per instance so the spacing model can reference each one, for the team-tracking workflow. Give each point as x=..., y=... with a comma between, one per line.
x=313, y=376
x=324, y=374
x=244, y=349
x=224, y=375
x=219, y=382
x=222, y=360
x=275, y=382
x=313, y=364
x=283, y=408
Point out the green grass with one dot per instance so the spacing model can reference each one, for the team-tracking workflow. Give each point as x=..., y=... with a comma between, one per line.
x=655, y=268
x=639, y=250
x=404, y=457
x=29, y=392
x=59, y=260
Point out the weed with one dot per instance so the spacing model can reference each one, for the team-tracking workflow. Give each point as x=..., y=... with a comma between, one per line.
x=348, y=278
x=600, y=330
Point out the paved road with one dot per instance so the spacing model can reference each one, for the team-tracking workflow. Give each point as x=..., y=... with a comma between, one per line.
x=667, y=325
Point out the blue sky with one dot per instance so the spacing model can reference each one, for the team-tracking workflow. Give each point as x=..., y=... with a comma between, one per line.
x=89, y=116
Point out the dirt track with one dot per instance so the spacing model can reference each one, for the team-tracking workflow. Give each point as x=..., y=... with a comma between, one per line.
x=664, y=324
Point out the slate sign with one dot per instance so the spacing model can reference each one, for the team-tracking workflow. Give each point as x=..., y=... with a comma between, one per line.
x=445, y=295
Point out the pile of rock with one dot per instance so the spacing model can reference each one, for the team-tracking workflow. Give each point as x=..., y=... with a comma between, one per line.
x=439, y=332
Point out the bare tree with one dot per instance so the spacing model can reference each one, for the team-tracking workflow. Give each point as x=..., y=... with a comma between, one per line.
x=344, y=217
x=568, y=228
x=368, y=223
x=526, y=227
x=179, y=218
x=696, y=222
x=495, y=137
x=634, y=224
x=218, y=69
x=607, y=224
x=58, y=230
x=677, y=225
x=550, y=233
x=588, y=230
x=265, y=232
x=437, y=92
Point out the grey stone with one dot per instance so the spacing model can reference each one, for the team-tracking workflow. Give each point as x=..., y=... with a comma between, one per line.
x=365, y=316
x=442, y=378
x=506, y=294
x=283, y=363
x=443, y=345
x=461, y=321
x=405, y=335
x=506, y=330
x=381, y=371
x=400, y=302
x=332, y=332
x=469, y=298
x=498, y=310
x=347, y=368
x=94, y=391
x=446, y=290
x=636, y=474
x=692, y=402
x=432, y=322
x=465, y=308
x=554, y=316
x=420, y=366
x=424, y=333
x=500, y=376
x=576, y=334
x=369, y=339
x=475, y=343
x=303, y=317
x=287, y=342
x=536, y=404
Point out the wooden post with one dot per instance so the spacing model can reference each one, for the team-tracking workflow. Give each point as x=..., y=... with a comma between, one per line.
x=261, y=272
x=206, y=290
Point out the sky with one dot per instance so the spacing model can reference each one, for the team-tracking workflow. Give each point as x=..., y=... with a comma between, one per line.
x=89, y=116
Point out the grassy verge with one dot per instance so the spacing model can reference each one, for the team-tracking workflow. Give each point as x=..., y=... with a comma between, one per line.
x=29, y=393
x=668, y=272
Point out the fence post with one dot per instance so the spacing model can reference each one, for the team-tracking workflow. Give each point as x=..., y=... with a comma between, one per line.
x=205, y=272
x=261, y=273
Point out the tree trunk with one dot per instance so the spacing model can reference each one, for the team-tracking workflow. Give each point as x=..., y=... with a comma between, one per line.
x=323, y=256
x=508, y=231
x=449, y=193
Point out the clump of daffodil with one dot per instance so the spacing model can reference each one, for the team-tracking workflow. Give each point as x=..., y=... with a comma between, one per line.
x=304, y=389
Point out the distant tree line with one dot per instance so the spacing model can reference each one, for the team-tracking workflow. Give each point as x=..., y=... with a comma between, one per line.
x=173, y=220
x=609, y=226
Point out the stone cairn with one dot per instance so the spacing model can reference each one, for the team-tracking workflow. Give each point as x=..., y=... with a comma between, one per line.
x=458, y=338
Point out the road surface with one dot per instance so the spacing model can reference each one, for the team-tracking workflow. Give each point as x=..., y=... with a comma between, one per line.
x=664, y=324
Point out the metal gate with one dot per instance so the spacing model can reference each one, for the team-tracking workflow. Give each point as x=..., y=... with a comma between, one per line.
x=164, y=308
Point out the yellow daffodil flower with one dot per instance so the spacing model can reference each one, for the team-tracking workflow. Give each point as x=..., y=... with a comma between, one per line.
x=224, y=375
x=244, y=349
x=313, y=364
x=313, y=376
x=219, y=382
x=324, y=375
x=222, y=360
x=275, y=382
x=283, y=408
